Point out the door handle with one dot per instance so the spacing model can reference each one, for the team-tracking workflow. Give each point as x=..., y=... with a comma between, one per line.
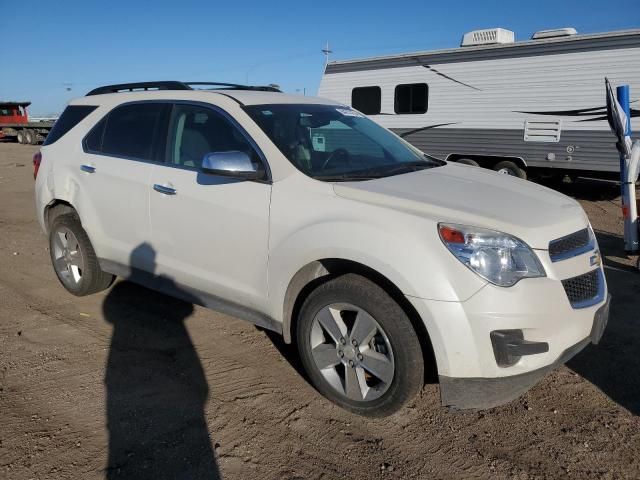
x=164, y=189
x=88, y=168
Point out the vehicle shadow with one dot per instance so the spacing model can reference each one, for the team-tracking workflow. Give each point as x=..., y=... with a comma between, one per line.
x=592, y=189
x=614, y=363
x=155, y=384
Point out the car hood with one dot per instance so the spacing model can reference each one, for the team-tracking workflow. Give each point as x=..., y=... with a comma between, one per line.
x=474, y=196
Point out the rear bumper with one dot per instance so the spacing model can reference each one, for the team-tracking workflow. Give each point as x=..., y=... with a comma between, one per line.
x=480, y=393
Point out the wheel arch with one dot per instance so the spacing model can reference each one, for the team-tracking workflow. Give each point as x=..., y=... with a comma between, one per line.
x=317, y=272
x=55, y=208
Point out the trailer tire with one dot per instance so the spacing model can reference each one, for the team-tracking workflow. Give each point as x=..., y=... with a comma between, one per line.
x=28, y=137
x=468, y=161
x=20, y=136
x=510, y=168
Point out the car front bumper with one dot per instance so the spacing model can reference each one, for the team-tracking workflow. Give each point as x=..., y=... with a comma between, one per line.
x=538, y=309
x=480, y=393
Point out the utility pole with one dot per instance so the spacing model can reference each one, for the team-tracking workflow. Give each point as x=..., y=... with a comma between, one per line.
x=326, y=51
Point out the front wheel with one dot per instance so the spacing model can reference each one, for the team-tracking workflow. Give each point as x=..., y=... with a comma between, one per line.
x=74, y=259
x=358, y=347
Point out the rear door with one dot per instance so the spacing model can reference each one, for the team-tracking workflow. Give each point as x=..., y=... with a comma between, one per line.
x=116, y=167
x=210, y=232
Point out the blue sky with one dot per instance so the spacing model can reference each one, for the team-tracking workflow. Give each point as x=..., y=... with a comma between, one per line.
x=79, y=45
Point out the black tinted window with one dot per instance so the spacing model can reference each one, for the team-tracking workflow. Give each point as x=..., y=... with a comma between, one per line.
x=366, y=99
x=411, y=98
x=93, y=141
x=129, y=130
x=195, y=131
x=71, y=116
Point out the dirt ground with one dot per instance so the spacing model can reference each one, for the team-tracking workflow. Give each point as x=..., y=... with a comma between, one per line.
x=133, y=384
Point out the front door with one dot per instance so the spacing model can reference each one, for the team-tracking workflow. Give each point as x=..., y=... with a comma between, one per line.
x=210, y=233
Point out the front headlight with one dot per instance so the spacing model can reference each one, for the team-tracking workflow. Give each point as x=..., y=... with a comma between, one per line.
x=497, y=257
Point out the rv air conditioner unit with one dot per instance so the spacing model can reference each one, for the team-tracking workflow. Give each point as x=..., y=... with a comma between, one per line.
x=556, y=32
x=489, y=36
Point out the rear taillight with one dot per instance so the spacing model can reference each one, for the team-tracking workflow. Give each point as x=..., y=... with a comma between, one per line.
x=37, y=160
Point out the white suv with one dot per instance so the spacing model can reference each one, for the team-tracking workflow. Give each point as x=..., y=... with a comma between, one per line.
x=304, y=217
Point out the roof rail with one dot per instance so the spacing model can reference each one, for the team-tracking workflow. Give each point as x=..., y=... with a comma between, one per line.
x=235, y=86
x=130, y=87
x=175, y=85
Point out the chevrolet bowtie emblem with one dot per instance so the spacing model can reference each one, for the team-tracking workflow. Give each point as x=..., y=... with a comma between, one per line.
x=595, y=259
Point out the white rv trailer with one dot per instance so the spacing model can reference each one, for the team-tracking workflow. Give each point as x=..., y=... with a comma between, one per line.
x=510, y=106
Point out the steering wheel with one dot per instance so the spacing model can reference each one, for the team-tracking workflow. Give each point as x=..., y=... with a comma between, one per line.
x=334, y=155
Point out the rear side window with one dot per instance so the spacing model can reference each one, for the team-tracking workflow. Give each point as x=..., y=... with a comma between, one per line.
x=93, y=141
x=366, y=99
x=71, y=116
x=127, y=131
x=411, y=98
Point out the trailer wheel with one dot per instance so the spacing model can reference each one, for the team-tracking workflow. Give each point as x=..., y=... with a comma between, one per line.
x=468, y=161
x=28, y=137
x=20, y=136
x=34, y=138
x=509, y=168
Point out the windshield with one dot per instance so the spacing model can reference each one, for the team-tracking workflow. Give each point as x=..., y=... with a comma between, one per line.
x=336, y=143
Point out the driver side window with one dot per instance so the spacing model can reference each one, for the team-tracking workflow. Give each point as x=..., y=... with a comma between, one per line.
x=195, y=131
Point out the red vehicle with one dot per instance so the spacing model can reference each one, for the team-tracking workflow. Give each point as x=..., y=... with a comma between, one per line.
x=14, y=123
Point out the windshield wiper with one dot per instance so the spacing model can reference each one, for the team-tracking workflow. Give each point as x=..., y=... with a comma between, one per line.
x=379, y=172
x=405, y=167
x=345, y=177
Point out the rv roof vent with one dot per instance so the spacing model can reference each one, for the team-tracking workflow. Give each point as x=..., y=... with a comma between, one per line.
x=556, y=32
x=489, y=36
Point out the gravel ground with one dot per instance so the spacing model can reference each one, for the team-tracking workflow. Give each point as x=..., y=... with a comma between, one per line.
x=133, y=384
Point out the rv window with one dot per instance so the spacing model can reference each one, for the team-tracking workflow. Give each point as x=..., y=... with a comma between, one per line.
x=366, y=99
x=411, y=98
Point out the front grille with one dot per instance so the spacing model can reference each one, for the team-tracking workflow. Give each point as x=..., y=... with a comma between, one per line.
x=582, y=289
x=569, y=245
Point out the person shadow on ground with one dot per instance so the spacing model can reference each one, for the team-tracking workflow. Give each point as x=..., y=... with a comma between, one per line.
x=155, y=385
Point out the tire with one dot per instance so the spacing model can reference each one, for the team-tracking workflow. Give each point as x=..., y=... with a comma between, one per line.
x=20, y=137
x=80, y=274
x=391, y=347
x=28, y=137
x=510, y=168
x=468, y=161
x=34, y=138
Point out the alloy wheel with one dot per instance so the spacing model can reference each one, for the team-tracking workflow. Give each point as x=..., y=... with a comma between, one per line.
x=68, y=259
x=352, y=352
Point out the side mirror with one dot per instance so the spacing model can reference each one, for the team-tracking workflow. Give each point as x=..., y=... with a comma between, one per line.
x=230, y=164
